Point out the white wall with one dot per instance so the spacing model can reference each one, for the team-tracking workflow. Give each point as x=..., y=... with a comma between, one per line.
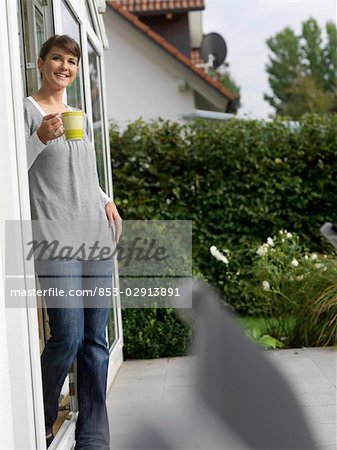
x=141, y=80
x=195, y=24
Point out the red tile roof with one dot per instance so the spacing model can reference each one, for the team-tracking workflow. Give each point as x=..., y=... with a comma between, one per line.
x=173, y=51
x=196, y=57
x=161, y=6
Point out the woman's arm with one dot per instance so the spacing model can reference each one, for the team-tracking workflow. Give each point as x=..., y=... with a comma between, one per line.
x=50, y=129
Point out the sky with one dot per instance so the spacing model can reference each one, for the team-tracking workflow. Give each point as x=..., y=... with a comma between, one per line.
x=246, y=25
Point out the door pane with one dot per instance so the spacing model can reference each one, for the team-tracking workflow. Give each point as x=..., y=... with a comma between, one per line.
x=71, y=27
x=33, y=37
x=100, y=145
x=96, y=103
x=40, y=34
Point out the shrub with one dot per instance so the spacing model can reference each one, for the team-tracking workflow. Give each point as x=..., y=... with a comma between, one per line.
x=293, y=289
x=316, y=323
x=238, y=181
x=154, y=333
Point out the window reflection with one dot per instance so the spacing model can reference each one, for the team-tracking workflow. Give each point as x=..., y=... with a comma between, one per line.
x=71, y=27
x=96, y=99
x=40, y=36
x=98, y=129
x=33, y=37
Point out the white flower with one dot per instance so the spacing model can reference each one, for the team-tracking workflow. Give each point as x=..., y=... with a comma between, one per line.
x=213, y=250
x=218, y=255
x=294, y=262
x=262, y=250
x=265, y=285
x=300, y=277
x=313, y=256
x=289, y=235
x=169, y=201
x=319, y=266
x=270, y=242
x=281, y=232
x=306, y=257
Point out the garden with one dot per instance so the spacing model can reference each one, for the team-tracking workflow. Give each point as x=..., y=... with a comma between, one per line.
x=257, y=193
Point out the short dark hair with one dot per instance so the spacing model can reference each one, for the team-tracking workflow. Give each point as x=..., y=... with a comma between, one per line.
x=61, y=41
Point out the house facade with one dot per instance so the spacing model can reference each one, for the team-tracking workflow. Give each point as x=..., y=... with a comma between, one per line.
x=24, y=26
x=152, y=62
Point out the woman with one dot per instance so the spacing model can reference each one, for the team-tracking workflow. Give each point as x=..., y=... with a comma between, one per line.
x=64, y=187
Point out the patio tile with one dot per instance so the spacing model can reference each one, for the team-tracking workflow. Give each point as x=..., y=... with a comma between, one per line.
x=144, y=388
x=133, y=407
x=325, y=433
x=317, y=396
x=321, y=413
x=123, y=394
x=120, y=441
x=140, y=381
x=327, y=447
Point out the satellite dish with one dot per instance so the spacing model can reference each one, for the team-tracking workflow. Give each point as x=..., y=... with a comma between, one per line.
x=213, y=48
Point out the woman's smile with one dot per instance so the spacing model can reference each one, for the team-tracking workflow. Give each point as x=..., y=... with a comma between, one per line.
x=61, y=75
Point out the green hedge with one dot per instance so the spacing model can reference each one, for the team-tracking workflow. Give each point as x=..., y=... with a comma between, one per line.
x=154, y=333
x=238, y=181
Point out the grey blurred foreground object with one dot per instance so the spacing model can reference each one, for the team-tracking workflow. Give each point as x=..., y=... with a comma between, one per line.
x=241, y=400
x=329, y=231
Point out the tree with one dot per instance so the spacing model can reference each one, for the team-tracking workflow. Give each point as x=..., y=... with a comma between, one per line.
x=330, y=58
x=303, y=70
x=306, y=96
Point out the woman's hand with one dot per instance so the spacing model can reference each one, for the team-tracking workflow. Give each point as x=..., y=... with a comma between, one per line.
x=114, y=217
x=51, y=128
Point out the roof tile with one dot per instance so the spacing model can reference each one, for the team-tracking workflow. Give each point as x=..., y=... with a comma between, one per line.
x=164, y=6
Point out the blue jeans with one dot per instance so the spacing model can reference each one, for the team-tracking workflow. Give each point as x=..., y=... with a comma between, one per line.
x=78, y=329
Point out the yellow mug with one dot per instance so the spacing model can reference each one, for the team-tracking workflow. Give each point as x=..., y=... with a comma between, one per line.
x=73, y=125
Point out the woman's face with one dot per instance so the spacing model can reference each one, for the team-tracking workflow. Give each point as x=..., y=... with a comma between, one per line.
x=59, y=68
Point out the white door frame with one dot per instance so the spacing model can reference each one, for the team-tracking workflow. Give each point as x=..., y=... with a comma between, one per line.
x=25, y=412
x=22, y=328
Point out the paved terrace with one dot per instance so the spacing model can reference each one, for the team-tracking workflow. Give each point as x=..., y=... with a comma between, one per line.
x=142, y=387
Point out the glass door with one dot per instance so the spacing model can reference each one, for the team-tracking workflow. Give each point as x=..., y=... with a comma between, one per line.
x=87, y=94
x=36, y=27
x=38, y=20
x=101, y=146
